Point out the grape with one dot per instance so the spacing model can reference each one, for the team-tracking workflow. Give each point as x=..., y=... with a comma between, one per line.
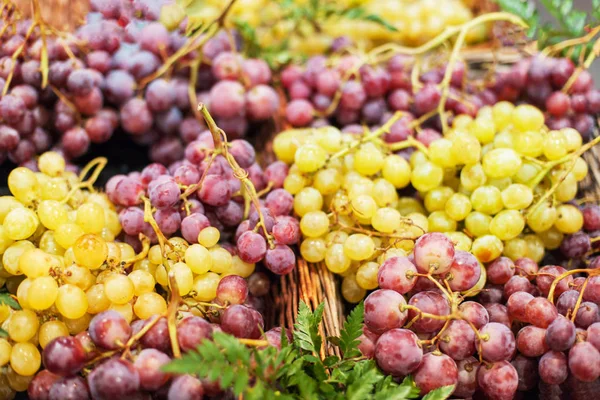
x=398, y=274
x=553, y=368
x=148, y=365
x=560, y=334
x=500, y=270
x=185, y=387
x=458, y=340
x=280, y=260
x=464, y=272
x=517, y=284
x=114, y=378
x=498, y=313
x=252, y=247
x=435, y=371
x=215, y=191
x=531, y=341
x=475, y=313
x=467, y=377
x=109, y=329
x=383, y=311
x=262, y=102
x=584, y=362
x=527, y=370
x=191, y=331
x=547, y=275
x=426, y=99
x=80, y=82
x=566, y=301
x=526, y=267
x=232, y=290
x=397, y=352
x=576, y=245
x=238, y=320
x=500, y=344
x=136, y=118
x=587, y=314
x=192, y=225
x=74, y=387
x=256, y=71
x=499, y=380
x=64, y=356
x=299, y=112
x=433, y=251
x=157, y=337
x=227, y=99
x=558, y=104
x=428, y=302
x=540, y=312
x=132, y=220
x=168, y=221
x=517, y=305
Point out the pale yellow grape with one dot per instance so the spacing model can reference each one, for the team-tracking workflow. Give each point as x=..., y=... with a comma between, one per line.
x=507, y=224
x=487, y=199
x=314, y=224
x=310, y=157
x=414, y=225
x=143, y=281
x=501, y=183
x=366, y=275
x=580, y=169
x=127, y=252
x=527, y=173
x=35, y=262
x=552, y=238
x=517, y=196
x=221, y=260
x=209, y=236
x=351, y=291
x=569, y=219
x=487, y=248
x=5, y=242
x=573, y=140
x=396, y=170
x=462, y=121
x=460, y=240
x=336, y=259
x=20, y=223
x=5, y=350
x=113, y=255
x=360, y=187
x=527, y=118
x=440, y=153
x=23, y=184
x=7, y=204
x=51, y=163
x=313, y=249
x=286, y=144
x=51, y=330
x=348, y=164
x=359, y=247
x=567, y=189
x=529, y=143
x=154, y=255
x=205, y=286
x=161, y=275
x=336, y=237
x=25, y=359
x=501, y=163
x=368, y=159
x=308, y=199
x=435, y=199
x=119, y=289
x=71, y=301
x=90, y=251
x=12, y=255
x=67, y=234
x=100, y=199
x=23, y=325
x=198, y=259
x=330, y=139
x=42, y=293
x=126, y=310
x=503, y=140
x=79, y=276
x=111, y=219
x=417, y=158
x=52, y=214
x=472, y=176
x=364, y=206
x=149, y=304
x=439, y=221
x=145, y=265
x=17, y=382
x=90, y=217
x=240, y=267
x=97, y=300
x=535, y=247
x=483, y=129
x=426, y=176
x=294, y=183
x=458, y=206
x=478, y=223
x=555, y=145
x=466, y=149
x=502, y=114
x=327, y=181
x=386, y=220
x=384, y=193
x=58, y=189
x=183, y=277
x=542, y=218
x=23, y=291
x=179, y=244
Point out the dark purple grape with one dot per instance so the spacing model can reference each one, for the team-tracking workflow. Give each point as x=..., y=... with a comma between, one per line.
x=70, y=388
x=113, y=379
x=64, y=356
x=75, y=142
x=259, y=284
x=527, y=370
x=280, y=260
x=148, y=365
x=353, y=96
x=185, y=387
x=164, y=192
x=426, y=99
x=560, y=335
x=9, y=138
x=157, y=337
x=191, y=331
x=39, y=387
x=168, y=220
x=576, y=245
x=587, y=314
x=12, y=108
x=136, y=117
x=232, y=289
x=160, y=95
x=553, y=368
x=584, y=362
x=238, y=320
x=80, y=82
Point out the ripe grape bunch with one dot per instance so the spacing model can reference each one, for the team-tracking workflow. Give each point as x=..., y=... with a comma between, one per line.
x=111, y=76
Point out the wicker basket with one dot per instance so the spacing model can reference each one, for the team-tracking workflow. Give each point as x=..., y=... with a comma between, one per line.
x=60, y=14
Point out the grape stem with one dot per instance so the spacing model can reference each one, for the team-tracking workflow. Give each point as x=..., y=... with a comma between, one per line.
x=579, y=299
x=586, y=64
x=590, y=272
x=135, y=338
x=98, y=164
x=172, y=314
x=142, y=255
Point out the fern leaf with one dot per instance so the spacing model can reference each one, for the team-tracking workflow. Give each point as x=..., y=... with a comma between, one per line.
x=351, y=332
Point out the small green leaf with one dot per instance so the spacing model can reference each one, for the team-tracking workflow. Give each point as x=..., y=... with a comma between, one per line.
x=351, y=332
x=575, y=22
x=3, y=333
x=596, y=10
x=359, y=13
x=334, y=340
x=441, y=393
x=331, y=360
x=241, y=382
x=6, y=298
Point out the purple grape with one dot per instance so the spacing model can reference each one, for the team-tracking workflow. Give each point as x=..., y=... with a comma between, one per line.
x=553, y=368
x=383, y=311
x=252, y=247
x=64, y=356
x=280, y=260
x=157, y=337
x=286, y=230
x=136, y=117
x=498, y=380
x=109, y=330
x=39, y=387
x=227, y=99
x=500, y=344
x=232, y=289
x=192, y=225
x=185, y=387
x=70, y=388
x=164, y=192
x=115, y=378
x=160, y=95
x=238, y=320
x=191, y=331
x=80, y=82
x=168, y=220
x=397, y=352
x=9, y=138
x=215, y=191
x=576, y=245
x=475, y=313
x=148, y=365
x=12, y=108
x=75, y=142
x=458, y=340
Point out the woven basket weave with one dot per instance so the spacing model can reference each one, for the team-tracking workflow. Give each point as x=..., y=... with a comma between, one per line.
x=60, y=14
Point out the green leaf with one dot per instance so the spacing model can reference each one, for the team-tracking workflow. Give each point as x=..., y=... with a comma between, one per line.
x=575, y=22
x=3, y=333
x=364, y=376
x=306, y=332
x=6, y=298
x=241, y=382
x=359, y=13
x=331, y=360
x=351, y=332
x=441, y=393
x=596, y=10
x=524, y=9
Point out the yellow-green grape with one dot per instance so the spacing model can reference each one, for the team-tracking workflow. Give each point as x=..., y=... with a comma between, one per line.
x=310, y=157
x=127, y=252
x=552, y=238
x=17, y=382
x=52, y=214
x=336, y=259
x=100, y=199
x=197, y=258
x=569, y=219
x=483, y=129
x=111, y=219
x=458, y=206
x=179, y=245
x=155, y=256
x=440, y=153
x=487, y=248
x=414, y=225
x=183, y=277
x=396, y=170
x=555, y=145
x=145, y=265
x=7, y=204
x=580, y=169
x=364, y=206
x=143, y=281
x=79, y=276
x=221, y=260
x=67, y=234
x=57, y=189
x=5, y=350
x=460, y=240
x=384, y=193
x=241, y=268
x=97, y=300
x=527, y=118
x=360, y=187
x=529, y=143
x=42, y=293
x=35, y=263
x=285, y=146
x=51, y=330
x=90, y=251
x=535, y=247
x=466, y=149
x=501, y=184
x=501, y=163
x=327, y=181
x=439, y=221
x=5, y=242
x=23, y=325
x=348, y=164
x=341, y=204
x=462, y=121
x=515, y=248
x=487, y=199
x=542, y=218
x=351, y=291
x=478, y=223
x=408, y=205
x=205, y=286
x=20, y=223
x=126, y=310
x=113, y=255
x=149, y=304
x=567, y=188
x=368, y=160
x=366, y=275
x=435, y=199
x=308, y=199
x=12, y=255
x=517, y=196
x=49, y=245
x=573, y=140
x=472, y=177
x=507, y=224
x=359, y=247
x=503, y=140
x=502, y=114
x=71, y=301
x=23, y=291
x=313, y=249
x=386, y=220
x=527, y=173
x=5, y=312
x=209, y=236
x=119, y=289
x=329, y=138
x=90, y=217
x=294, y=183
x=51, y=163
x=314, y=224
x=25, y=359
x=23, y=184
x=426, y=176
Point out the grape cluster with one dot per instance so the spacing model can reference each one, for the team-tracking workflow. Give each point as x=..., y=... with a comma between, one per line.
x=111, y=76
